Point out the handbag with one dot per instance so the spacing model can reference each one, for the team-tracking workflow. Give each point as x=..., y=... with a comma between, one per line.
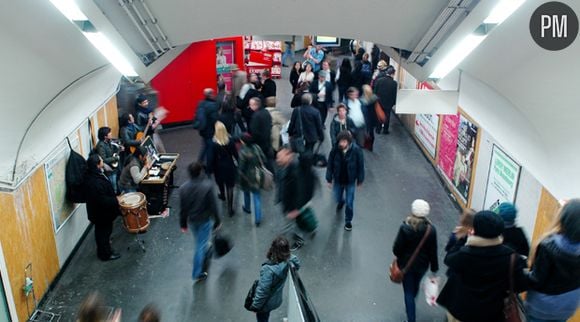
x=513, y=308
x=266, y=178
x=380, y=112
x=307, y=221
x=250, y=297
x=395, y=273
x=298, y=143
x=222, y=244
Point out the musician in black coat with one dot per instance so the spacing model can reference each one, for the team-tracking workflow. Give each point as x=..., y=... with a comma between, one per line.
x=102, y=206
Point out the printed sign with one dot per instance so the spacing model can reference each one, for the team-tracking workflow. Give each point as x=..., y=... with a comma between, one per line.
x=426, y=127
x=464, y=157
x=502, y=180
x=448, y=144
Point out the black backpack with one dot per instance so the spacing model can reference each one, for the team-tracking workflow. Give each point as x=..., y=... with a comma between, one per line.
x=76, y=170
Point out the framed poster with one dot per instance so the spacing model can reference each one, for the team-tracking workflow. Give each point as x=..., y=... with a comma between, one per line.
x=464, y=157
x=224, y=60
x=448, y=144
x=502, y=179
x=426, y=129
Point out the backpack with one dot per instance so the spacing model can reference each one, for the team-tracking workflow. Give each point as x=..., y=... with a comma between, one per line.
x=366, y=70
x=76, y=169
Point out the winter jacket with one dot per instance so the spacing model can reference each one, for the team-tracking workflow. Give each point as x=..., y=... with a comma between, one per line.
x=197, y=202
x=102, y=204
x=336, y=126
x=221, y=163
x=250, y=158
x=355, y=165
x=407, y=241
x=127, y=135
x=205, y=117
x=515, y=238
x=371, y=118
x=297, y=183
x=106, y=151
x=311, y=124
x=386, y=89
x=261, y=130
x=271, y=284
x=314, y=89
x=269, y=88
x=278, y=121
x=480, y=281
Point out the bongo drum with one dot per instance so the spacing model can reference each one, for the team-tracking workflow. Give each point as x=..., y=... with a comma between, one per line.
x=134, y=209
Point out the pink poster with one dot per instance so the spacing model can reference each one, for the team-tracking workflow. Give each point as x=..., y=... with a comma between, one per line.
x=448, y=144
x=224, y=61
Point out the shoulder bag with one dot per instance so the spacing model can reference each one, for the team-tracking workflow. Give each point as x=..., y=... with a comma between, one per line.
x=380, y=112
x=395, y=273
x=298, y=143
x=513, y=309
x=252, y=293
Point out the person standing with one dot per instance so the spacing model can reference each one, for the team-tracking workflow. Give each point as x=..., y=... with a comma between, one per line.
x=273, y=275
x=386, y=89
x=222, y=164
x=251, y=158
x=102, y=206
x=480, y=279
x=554, y=277
x=410, y=234
x=322, y=90
x=109, y=152
x=199, y=212
x=294, y=75
x=345, y=171
x=314, y=55
x=305, y=121
x=204, y=121
x=128, y=132
x=513, y=236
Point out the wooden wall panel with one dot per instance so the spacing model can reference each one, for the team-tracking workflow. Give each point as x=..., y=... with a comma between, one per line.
x=101, y=117
x=547, y=210
x=112, y=116
x=27, y=235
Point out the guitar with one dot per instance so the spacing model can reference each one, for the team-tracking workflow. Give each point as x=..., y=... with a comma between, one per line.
x=141, y=135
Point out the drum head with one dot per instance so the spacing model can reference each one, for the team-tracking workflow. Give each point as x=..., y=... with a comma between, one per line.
x=132, y=199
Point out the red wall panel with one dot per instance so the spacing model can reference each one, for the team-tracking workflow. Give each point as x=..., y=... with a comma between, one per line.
x=180, y=85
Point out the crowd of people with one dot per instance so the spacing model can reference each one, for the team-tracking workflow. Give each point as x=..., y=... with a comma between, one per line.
x=247, y=142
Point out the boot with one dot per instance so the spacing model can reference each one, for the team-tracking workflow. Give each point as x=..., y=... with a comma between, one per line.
x=230, y=200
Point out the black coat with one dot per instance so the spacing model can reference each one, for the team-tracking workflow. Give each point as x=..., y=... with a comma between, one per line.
x=515, y=238
x=297, y=184
x=311, y=124
x=355, y=164
x=294, y=75
x=261, y=130
x=386, y=89
x=480, y=282
x=269, y=88
x=102, y=203
x=314, y=90
x=407, y=241
x=206, y=116
x=221, y=163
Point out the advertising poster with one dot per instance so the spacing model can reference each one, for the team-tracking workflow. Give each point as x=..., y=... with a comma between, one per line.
x=426, y=127
x=502, y=180
x=464, y=157
x=224, y=60
x=448, y=144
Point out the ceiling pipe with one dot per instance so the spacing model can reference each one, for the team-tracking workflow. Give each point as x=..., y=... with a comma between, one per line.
x=155, y=22
x=128, y=12
x=146, y=26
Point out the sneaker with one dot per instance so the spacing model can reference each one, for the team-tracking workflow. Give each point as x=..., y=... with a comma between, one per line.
x=201, y=277
x=348, y=226
x=339, y=206
x=296, y=246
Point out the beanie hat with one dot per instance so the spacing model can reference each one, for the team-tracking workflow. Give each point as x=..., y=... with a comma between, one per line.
x=420, y=208
x=487, y=224
x=507, y=211
x=141, y=98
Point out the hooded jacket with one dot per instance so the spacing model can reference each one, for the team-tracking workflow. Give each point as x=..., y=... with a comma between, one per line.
x=271, y=284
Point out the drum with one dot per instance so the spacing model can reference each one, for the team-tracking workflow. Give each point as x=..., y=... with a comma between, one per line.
x=134, y=209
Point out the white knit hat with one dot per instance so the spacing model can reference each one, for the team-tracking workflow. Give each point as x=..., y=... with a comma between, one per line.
x=420, y=208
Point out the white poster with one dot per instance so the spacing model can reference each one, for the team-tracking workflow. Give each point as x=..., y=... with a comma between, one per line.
x=502, y=181
x=426, y=127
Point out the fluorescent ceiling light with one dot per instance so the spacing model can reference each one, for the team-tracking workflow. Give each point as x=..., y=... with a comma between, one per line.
x=503, y=10
x=464, y=48
x=69, y=9
x=110, y=52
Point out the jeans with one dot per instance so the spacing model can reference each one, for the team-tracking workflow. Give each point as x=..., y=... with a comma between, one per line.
x=257, y=204
x=339, y=191
x=285, y=55
x=262, y=316
x=205, y=151
x=113, y=178
x=411, y=283
x=201, y=233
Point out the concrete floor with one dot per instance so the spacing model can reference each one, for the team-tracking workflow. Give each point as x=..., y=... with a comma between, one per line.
x=345, y=273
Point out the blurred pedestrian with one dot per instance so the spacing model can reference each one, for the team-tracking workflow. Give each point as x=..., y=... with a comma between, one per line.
x=222, y=163
x=150, y=313
x=513, y=236
x=251, y=158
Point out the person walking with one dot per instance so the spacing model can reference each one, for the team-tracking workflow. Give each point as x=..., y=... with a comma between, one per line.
x=305, y=122
x=322, y=90
x=345, y=171
x=222, y=163
x=102, y=206
x=198, y=211
x=386, y=89
x=341, y=122
x=513, y=236
x=480, y=281
x=357, y=112
x=204, y=121
x=554, y=276
x=273, y=275
x=368, y=100
x=251, y=158
x=411, y=232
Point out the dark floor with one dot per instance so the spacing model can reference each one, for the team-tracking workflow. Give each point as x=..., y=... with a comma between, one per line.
x=345, y=273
